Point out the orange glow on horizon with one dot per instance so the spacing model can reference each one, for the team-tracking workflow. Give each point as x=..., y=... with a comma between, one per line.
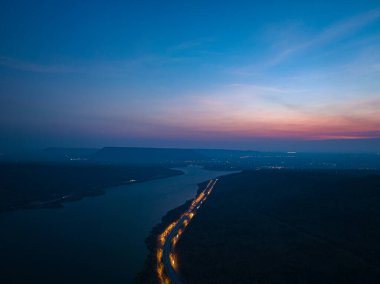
x=235, y=116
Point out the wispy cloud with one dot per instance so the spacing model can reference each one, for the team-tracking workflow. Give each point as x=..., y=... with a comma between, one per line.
x=260, y=111
x=332, y=33
x=190, y=44
x=36, y=67
x=265, y=88
x=117, y=67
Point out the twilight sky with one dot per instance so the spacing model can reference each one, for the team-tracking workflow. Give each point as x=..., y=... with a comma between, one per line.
x=265, y=75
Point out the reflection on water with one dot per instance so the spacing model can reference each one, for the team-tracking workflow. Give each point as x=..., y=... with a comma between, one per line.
x=98, y=239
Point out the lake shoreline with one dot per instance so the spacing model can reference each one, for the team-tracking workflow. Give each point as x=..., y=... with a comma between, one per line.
x=107, y=234
x=59, y=193
x=56, y=204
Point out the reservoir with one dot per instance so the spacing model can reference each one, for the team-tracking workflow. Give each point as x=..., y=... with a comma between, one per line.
x=95, y=240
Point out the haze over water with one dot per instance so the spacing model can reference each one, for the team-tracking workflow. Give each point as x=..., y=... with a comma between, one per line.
x=95, y=240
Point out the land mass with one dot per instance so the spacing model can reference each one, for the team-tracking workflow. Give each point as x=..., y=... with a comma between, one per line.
x=218, y=159
x=41, y=185
x=286, y=226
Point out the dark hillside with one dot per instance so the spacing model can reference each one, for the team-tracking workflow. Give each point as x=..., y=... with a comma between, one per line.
x=286, y=227
x=131, y=155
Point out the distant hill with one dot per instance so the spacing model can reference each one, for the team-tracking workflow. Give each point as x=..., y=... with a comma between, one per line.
x=221, y=159
x=135, y=155
x=221, y=154
x=130, y=155
x=51, y=154
x=62, y=154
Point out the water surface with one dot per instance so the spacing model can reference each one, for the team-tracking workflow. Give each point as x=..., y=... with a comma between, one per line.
x=95, y=240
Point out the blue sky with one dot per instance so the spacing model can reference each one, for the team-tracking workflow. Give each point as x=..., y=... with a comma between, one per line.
x=267, y=75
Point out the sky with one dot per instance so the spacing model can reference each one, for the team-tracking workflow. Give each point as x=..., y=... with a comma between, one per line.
x=260, y=75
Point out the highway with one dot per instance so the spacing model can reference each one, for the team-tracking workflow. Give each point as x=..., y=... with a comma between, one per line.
x=167, y=267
